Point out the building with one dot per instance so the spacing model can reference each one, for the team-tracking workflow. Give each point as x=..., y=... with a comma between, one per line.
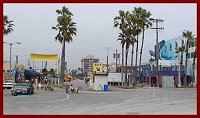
x=87, y=64
x=6, y=70
x=7, y=75
x=169, y=69
x=6, y=66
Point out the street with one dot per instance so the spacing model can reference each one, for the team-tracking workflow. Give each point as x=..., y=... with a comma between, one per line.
x=147, y=100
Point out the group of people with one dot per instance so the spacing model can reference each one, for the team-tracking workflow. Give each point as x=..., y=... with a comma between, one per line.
x=45, y=84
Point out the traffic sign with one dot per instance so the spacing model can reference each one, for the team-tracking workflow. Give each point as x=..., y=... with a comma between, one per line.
x=97, y=67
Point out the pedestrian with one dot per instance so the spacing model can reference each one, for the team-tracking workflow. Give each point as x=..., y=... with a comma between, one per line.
x=67, y=89
x=46, y=80
x=87, y=79
x=71, y=87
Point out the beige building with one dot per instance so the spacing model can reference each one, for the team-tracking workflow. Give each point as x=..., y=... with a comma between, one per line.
x=6, y=69
x=87, y=63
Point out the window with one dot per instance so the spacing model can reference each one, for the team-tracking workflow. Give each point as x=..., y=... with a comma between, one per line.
x=193, y=55
x=188, y=56
x=176, y=44
x=170, y=47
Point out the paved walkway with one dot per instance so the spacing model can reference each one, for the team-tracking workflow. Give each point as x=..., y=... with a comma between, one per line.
x=116, y=101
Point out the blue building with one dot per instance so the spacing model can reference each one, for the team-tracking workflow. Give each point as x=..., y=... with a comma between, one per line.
x=169, y=70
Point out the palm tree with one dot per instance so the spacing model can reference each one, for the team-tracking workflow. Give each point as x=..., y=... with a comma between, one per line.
x=132, y=22
x=128, y=42
x=119, y=21
x=122, y=39
x=52, y=72
x=136, y=12
x=188, y=36
x=7, y=25
x=66, y=30
x=143, y=23
x=126, y=23
x=181, y=49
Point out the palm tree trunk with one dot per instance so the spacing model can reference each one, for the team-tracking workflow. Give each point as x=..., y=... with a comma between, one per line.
x=181, y=63
x=186, y=57
x=193, y=66
x=136, y=52
x=136, y=55
x=141, y=54
x=132, y=52
x=122, y=71
x=62, y=64
x=126, y=82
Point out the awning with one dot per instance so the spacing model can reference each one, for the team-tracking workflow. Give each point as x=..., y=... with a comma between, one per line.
x=14, y=71
x=30, y=72
x=44, y=57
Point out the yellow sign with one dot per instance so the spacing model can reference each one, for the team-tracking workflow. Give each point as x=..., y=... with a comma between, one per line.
x=44, y=57
x=97, y=67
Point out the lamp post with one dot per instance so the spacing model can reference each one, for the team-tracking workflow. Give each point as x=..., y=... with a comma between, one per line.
x=116, y=56
x=11, y=44
x=157, y=47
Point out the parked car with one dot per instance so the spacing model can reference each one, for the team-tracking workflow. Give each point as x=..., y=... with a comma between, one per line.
x=22, y=87
x=8, y=84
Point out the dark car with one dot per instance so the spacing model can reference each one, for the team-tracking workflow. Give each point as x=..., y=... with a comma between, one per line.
x=22, y=87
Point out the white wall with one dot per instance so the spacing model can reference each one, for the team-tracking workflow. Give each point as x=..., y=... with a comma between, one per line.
x=168, y=81
x=115, y=77
x=100, y=80
x=167, y=63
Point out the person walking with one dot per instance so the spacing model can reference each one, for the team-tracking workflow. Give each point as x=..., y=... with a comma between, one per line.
x=67, y=89
x=68, y=80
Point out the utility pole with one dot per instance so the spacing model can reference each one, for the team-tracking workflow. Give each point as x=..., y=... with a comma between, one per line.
x=33, y=64
x=17, y=59
x=29, y=63
x=107, y=48
x=11, y=44
x=157, y=28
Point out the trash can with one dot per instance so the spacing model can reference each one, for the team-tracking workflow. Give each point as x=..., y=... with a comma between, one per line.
x=105, y=87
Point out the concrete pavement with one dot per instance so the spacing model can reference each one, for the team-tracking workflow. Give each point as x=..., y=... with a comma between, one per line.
x=116, y=101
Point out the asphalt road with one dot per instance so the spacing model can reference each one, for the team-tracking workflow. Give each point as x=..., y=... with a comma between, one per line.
x=116, y=101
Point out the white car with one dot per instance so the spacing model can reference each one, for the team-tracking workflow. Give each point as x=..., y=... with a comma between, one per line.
x=8, y=84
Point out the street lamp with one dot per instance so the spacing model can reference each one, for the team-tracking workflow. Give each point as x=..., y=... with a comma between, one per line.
x=116, y=56
x=10, y=44
x=157, y=47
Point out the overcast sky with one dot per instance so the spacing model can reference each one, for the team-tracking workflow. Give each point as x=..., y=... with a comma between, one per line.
x=95, y=32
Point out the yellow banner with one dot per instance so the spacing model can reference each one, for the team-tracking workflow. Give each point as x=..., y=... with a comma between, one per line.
x=44, y=57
